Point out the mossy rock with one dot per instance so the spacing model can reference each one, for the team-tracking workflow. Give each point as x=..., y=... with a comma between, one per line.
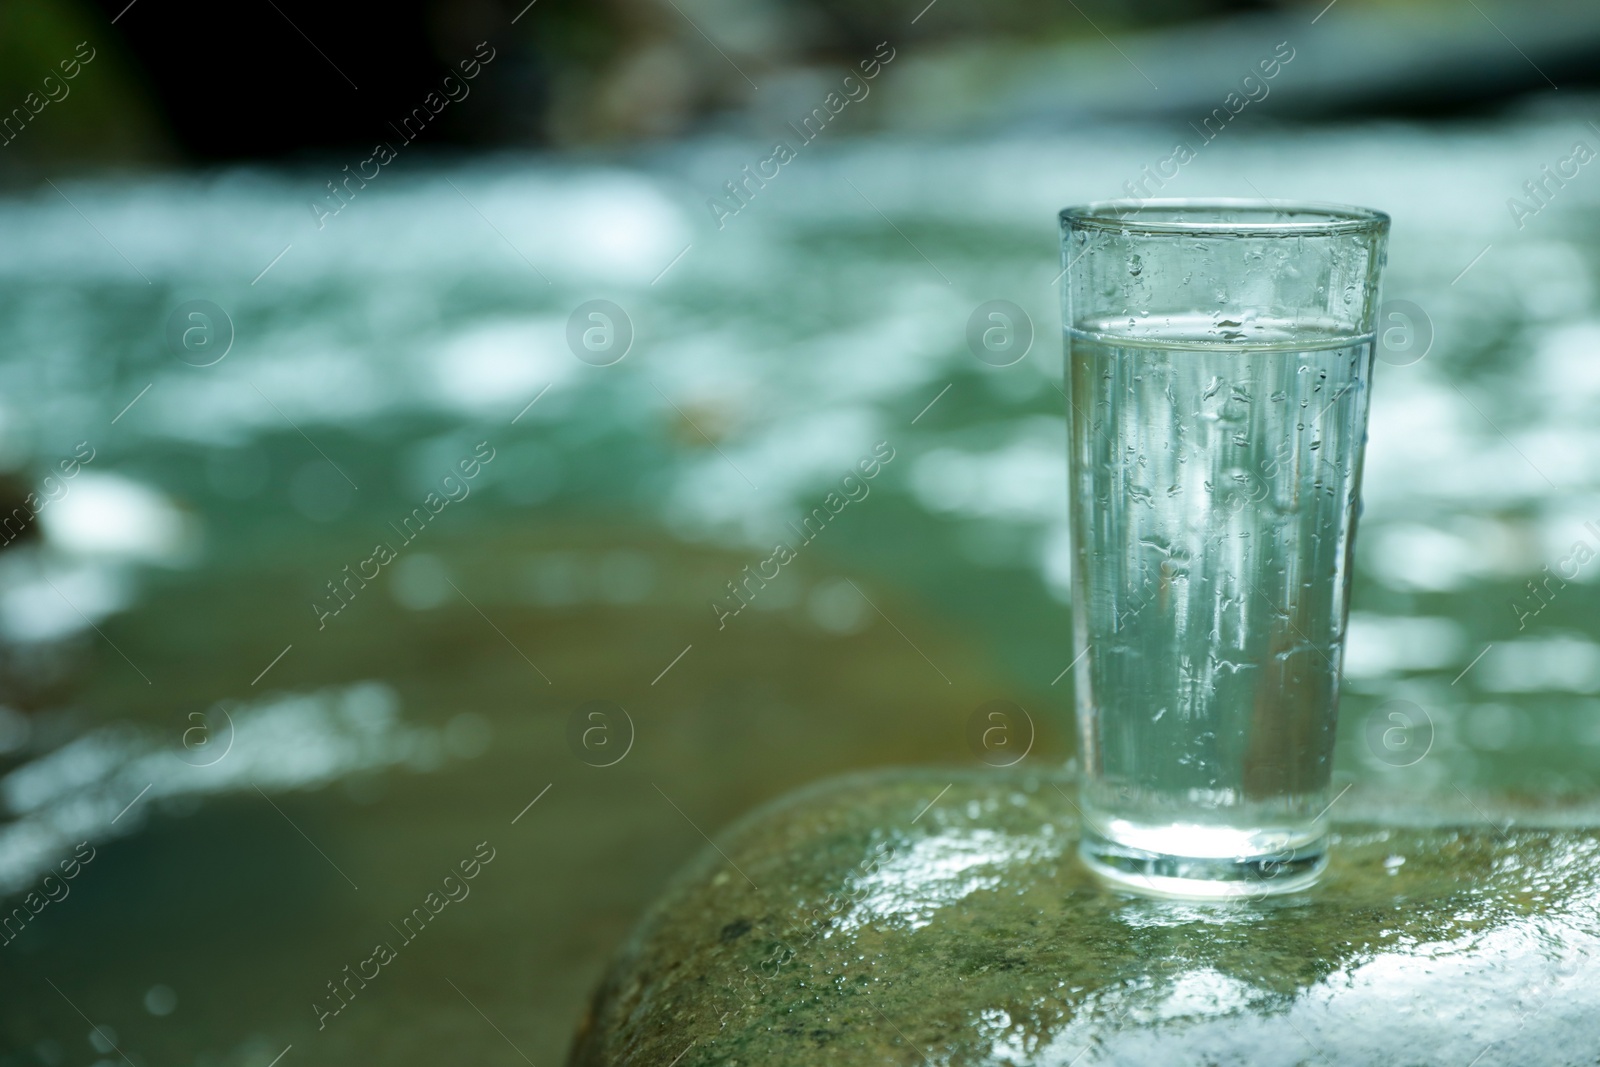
x=844, y=924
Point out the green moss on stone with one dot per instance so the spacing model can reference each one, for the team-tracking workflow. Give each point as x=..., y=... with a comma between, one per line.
x=842, y=927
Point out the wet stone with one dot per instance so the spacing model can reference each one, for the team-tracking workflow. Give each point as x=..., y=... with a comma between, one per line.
x=844, y=927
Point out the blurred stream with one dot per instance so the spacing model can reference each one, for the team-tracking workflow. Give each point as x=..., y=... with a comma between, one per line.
x=373, y=356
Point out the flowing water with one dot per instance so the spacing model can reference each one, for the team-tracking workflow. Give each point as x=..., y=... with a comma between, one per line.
x=195, y=548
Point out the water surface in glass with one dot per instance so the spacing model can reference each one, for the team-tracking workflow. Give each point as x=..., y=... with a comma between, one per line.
x=1214, y=496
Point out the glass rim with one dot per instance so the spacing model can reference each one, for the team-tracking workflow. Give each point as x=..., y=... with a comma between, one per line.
x=1234, y=216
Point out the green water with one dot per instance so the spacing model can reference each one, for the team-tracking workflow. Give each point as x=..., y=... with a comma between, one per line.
x=379, y=751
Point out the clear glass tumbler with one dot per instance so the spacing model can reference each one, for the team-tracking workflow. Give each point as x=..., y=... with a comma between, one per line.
x=1218, y=357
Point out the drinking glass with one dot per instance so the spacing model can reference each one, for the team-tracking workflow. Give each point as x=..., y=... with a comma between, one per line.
x=1219, y=354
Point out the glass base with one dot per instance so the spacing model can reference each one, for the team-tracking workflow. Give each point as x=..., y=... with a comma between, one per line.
x=1164, y=874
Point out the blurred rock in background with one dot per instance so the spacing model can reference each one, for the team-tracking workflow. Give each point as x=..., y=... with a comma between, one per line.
x=105, y=114
x=291, y=78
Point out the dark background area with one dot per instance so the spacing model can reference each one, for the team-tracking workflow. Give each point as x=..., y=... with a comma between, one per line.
x=287, y=79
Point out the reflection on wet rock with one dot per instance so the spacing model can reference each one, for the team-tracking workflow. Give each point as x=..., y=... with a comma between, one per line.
x=886, y=930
